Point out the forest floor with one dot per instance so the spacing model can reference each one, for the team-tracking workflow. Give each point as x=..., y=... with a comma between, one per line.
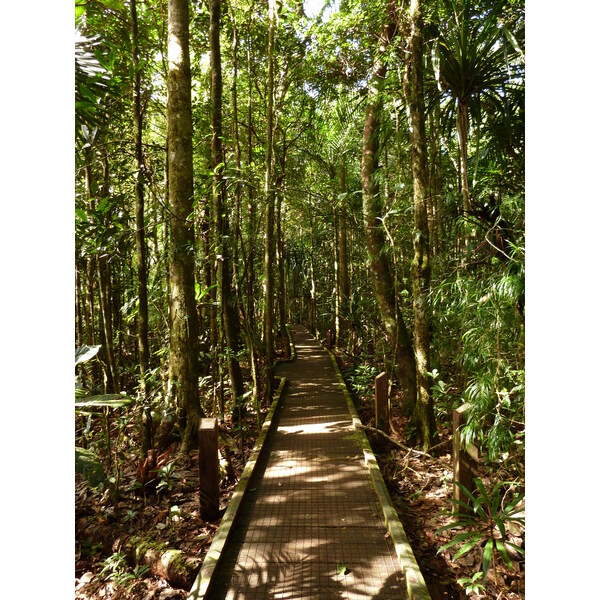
x=419, y=485
x=169, y=519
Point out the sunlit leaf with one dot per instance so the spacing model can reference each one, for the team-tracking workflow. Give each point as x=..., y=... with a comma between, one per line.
x=104, y=401
x=85, y=353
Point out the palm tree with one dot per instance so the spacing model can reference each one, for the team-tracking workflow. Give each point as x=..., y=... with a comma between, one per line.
x=470, y=62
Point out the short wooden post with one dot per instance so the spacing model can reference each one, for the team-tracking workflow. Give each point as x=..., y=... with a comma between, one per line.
x=464, y=460
x=328, y=338
x=208, y=462
x=382, y=413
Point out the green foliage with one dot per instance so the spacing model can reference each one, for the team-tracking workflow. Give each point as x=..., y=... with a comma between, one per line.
x=471, y=584
x=361, y=379
x=87, y=463
x=91, y=83
x=485, y=518
x=115, y=569
x=167, y=476
x=103, y=401
x=471, y=61
x=479, y=339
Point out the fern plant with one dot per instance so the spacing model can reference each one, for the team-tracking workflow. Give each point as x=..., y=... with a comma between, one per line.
x=485, y=520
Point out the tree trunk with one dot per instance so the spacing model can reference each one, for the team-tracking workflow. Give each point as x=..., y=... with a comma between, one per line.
x=378, y=263
x=230, y=321
x=238, y=154
x=184, y=319
x=435, y=179
x=344, y=291
x=78, y=307
x=103, y=275
x=281, y=280
x=105, y=310
x=251, y=204
x=462, y=126
x=421, y=267
x=270, y=224
x=140, y=242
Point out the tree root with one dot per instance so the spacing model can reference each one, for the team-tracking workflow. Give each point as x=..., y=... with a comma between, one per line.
x=398, y=444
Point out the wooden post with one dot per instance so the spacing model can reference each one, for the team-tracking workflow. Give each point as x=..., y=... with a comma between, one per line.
x=464, y=460
x=382, y=413
x=208, y=462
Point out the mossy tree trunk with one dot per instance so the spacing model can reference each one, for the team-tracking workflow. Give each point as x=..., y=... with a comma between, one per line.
x=421, y=266
x=269, y=261
x=378, y=264
x=230, y=323
x=184, y=319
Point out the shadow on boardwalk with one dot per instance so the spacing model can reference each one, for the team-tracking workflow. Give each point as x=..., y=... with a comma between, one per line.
x=311, y=525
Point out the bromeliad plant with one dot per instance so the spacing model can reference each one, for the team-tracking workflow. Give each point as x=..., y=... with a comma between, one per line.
x=486, y=521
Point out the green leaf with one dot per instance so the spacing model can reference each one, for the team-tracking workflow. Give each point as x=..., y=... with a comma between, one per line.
x=104, y=401
x=468, y=546
x=500, y=524
x=467, y=492
x=504, y=554
x=516, y=548
x=511, y=38
x=85, y=353
x=487, y=556
x=81, y=214
x=458, y=539
x=482, y=490
x=200, y=293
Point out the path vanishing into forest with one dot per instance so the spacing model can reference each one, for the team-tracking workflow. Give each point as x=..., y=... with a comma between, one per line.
x=311, y=525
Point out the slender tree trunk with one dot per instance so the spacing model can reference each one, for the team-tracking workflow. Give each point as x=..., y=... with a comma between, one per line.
x=336, y=265
x=230, y=321
x=91, y=278
x=343, y=258
x=462, y=126
x=378, y=264
x=281, y=280
x=184, y=319
x=435, y=179
x=90, y=334
x=115, y=272
x=79, y=317
x=103, y=275
x=140, y=241
x=251, y=208
x=313, y=287
x=270, y=224
x=421, y=267
x=238, y=153
x=105, y=310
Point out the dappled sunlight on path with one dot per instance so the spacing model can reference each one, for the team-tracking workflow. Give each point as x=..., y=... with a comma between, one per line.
x=311, y=526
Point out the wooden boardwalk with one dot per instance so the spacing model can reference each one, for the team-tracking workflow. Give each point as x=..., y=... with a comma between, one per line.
x=311, y=525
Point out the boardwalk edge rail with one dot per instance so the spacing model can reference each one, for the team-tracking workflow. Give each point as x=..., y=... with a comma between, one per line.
x=415, y=584
x=212, y=559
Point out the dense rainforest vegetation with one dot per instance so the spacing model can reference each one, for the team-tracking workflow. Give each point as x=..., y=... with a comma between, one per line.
x=246, y=164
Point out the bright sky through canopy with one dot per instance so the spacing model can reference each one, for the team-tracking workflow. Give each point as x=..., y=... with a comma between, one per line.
x=313, y=7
